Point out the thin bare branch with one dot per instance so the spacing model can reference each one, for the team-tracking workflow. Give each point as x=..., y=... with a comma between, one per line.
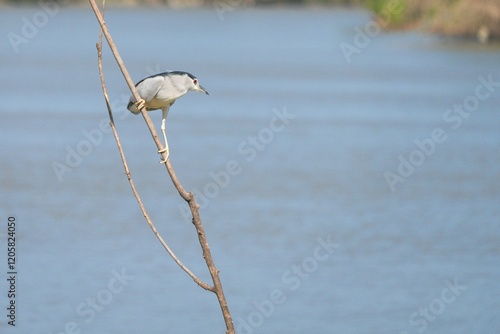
x=129, y=176
x=187, y=196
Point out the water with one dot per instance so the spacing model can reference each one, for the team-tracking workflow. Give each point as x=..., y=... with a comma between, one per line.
x=421, y=257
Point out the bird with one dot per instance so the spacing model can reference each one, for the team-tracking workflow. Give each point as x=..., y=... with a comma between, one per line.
x=159, y=91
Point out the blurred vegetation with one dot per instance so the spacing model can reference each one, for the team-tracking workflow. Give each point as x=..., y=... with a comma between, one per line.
x=468, y=18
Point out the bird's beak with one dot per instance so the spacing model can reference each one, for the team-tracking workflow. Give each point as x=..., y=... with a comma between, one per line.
x=202, y=90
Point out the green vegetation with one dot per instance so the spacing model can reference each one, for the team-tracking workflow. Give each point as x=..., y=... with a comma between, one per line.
x=467, y=18
x=392, y=11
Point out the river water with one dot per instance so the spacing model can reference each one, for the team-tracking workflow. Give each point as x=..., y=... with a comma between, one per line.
x=349, y=181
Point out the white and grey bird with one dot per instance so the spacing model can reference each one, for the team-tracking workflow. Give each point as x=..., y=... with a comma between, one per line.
x=160, y=91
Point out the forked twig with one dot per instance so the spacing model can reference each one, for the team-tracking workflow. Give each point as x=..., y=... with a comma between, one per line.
x=187, y=196
x=129, y=176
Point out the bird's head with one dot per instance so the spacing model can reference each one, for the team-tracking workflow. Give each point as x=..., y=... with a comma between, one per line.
x=195, y=85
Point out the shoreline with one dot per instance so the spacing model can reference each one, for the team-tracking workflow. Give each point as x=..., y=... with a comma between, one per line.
x=468, y=19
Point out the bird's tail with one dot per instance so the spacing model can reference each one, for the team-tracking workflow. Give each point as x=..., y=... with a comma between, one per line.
x=132, y=107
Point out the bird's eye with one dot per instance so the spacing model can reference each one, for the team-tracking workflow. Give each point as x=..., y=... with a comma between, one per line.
x=195, y=81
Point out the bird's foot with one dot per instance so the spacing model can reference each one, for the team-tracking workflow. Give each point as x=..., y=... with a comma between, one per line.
x=167, y=155
x=140, y=104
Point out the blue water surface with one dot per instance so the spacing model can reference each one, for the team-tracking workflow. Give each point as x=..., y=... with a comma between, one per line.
x=340, y=192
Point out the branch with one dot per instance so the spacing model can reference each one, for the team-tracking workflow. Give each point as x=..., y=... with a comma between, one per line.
x=187, y=196
x=184, y=194
x=129, y=176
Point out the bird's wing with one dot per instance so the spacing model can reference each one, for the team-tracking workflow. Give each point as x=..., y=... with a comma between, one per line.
x=149, y=87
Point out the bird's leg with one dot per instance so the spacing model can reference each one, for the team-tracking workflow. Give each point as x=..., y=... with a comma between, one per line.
x=140, y=104
x=165, y=149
